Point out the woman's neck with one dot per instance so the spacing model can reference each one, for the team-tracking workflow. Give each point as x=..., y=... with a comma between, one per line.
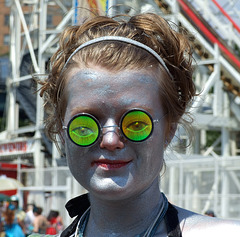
x=127, y=217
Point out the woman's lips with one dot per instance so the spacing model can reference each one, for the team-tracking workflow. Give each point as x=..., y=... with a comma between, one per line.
x=110, y=164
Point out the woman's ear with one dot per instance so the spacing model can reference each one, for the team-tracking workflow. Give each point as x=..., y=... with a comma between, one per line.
x=170, y=134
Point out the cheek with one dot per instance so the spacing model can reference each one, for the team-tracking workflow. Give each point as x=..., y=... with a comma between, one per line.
x=151, y=154
x=77, y=163
x=155, y=154
x=75, y=156
x=70, y=154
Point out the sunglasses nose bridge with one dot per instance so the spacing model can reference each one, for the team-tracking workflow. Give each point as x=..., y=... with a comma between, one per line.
x=110, y=128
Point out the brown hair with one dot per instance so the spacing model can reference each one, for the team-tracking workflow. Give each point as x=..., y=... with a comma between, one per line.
x=9, y=216
x=149, y=29
x=37, y=210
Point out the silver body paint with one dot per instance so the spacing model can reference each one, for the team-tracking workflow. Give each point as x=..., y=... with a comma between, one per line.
x=124, y=201
x=87, y=93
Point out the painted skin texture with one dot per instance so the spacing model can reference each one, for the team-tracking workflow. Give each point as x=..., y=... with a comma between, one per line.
x=122, y=177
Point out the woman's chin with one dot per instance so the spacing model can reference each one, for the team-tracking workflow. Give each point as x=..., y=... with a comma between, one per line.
x=112, y=190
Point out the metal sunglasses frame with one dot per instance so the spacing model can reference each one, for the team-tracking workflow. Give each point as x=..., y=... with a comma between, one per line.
x=100, y=128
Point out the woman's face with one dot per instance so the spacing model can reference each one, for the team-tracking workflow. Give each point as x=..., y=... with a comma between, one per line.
x=114, y=168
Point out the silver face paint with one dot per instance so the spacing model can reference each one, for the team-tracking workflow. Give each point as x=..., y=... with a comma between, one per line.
x=114, y=168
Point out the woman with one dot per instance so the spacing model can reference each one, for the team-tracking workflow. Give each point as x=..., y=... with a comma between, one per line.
x=115, y=95
x=56, y=223
x=40, y=222
x=10, y=223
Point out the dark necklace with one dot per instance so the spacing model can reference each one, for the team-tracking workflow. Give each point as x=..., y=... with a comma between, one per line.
x=149, y=232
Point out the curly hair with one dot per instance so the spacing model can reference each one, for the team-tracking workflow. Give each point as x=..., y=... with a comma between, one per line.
x=150, y=29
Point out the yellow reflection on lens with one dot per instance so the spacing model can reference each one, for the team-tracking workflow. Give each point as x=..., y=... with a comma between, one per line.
x=137, y=125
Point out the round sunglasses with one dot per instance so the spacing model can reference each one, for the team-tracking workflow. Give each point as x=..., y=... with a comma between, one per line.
x=84, y=129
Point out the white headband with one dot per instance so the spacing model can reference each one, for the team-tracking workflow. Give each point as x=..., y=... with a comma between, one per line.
x=121, y=39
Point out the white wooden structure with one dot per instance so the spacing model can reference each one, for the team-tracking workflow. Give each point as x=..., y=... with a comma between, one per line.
x=206, y=175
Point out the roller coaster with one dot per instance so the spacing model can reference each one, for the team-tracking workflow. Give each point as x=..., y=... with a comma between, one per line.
x=203, y=176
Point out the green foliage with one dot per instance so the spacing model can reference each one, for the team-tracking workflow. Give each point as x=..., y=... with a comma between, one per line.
x=237, y=50
x=2, y=123
x=22, y=122
x=212, y=136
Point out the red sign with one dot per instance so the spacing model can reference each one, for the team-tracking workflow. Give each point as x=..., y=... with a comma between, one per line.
x=9, y=192
x=16, y=148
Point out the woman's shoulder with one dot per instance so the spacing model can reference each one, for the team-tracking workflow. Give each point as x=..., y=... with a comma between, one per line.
x=193, y=224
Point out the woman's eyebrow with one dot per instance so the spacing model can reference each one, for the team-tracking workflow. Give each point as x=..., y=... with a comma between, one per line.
x=82, y=109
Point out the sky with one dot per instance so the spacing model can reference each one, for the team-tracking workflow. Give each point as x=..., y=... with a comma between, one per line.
x=232, y=7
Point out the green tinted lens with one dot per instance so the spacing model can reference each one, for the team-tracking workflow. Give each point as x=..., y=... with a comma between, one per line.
x=83, y=130
x=137, y=125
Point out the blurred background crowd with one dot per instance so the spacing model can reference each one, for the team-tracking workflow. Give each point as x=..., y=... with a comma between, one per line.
x=18, y=222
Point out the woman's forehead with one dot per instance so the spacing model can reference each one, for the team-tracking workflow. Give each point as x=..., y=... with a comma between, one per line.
x=93, y=77
x=91, y=86
x=105, y=84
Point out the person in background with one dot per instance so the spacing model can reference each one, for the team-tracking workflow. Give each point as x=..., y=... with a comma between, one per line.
x=29, y=219
x=1, y=211
x=116, y=91
x=40, y=222
x=56, y=223
x=10, y=223
x=20, y=214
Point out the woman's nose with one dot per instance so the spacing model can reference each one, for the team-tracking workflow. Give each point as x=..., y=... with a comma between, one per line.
x=111, y=138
